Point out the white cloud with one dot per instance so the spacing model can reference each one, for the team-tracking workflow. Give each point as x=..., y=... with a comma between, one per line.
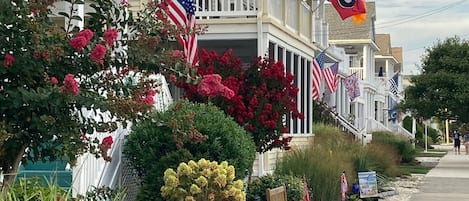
x=416, y=24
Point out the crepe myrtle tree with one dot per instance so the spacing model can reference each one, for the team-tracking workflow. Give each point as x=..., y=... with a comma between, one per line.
x=50, y=74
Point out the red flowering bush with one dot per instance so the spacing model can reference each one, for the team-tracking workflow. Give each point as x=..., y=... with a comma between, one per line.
x=262, y=95
x=104, y=147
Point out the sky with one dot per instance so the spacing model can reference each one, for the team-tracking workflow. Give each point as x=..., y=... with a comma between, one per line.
x=418, y=24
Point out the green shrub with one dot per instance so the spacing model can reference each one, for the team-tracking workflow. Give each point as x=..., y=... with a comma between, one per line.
x=323, y=162
x=37, y=189
x=256, y=190
x=186, y=131
x=33, y=189
x=404, y=148
x=420, y=132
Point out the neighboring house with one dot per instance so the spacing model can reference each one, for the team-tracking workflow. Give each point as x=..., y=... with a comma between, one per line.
x=367, y=53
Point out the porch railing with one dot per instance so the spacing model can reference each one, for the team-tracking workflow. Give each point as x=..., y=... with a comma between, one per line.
x=347, y=125
x=401, y=130
x=359, y=70
x=296, y=15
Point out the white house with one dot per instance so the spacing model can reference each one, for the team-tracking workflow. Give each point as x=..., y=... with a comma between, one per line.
x=293, y=31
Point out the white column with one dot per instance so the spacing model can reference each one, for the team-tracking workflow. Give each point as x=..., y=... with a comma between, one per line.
x=79, y=10
x=365, y=63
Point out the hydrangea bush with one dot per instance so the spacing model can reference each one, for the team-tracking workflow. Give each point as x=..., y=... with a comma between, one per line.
x=186, y=131
x=202, y=181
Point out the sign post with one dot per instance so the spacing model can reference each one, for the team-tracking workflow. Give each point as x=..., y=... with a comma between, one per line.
x=368, y=184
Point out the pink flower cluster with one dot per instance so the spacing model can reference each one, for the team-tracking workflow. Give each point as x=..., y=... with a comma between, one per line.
x=110, y=36
x=81, y=39
x=70, y=85
x=54, y=80
x=149, y=97
x=212, y=87
x=98, y=54
x=9, y=60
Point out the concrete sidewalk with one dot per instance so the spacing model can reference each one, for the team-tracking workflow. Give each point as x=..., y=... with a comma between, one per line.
x=448, y=181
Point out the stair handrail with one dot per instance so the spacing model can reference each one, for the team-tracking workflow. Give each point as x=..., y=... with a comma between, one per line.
x=405, y=132
x=346, y=124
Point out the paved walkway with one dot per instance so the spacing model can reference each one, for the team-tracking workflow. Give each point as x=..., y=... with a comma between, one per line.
x=448, y=181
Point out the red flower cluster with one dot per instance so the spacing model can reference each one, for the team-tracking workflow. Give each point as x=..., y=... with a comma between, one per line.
x=107, y=142
x=110, y=36
x=9, y=60
x=81, y=39
x=263, y=95
x=148, y=98
x=70, y=85
x=87, y=34
x=54, y=80
x=105, y=145
x=98, y=54
x=284, y=142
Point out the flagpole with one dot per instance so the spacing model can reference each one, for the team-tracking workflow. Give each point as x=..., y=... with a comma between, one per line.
x=321, y=2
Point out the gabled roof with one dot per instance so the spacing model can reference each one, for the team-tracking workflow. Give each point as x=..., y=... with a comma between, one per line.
x=345, y=29
x=397, y=53
x=384, y=43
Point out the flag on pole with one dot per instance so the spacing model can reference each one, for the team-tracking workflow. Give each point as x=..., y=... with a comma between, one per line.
x=182, y=14
x=359, y=18
x=352, y=86
x=343, y=186
x=393, y=87
x=348, y=8
x=392, y=110
x=331, y=76
x=318, y=64
x=306, y=190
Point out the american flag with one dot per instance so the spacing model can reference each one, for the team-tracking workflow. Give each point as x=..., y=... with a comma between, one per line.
x=182, y=14
x=394, y=84
x=318, y=64
x=331, y=77
x=352, y=86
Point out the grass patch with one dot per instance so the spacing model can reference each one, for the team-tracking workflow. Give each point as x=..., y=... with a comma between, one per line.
x=407, y=169
x=431, y=154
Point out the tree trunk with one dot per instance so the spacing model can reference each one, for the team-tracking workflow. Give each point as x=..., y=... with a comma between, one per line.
x=10, y=173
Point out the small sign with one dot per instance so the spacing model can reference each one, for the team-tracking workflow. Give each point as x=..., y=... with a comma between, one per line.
x=368, y=184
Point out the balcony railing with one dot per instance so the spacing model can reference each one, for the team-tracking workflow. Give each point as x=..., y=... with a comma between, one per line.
x=207, y=9
x=296, y=15
x=359, y=70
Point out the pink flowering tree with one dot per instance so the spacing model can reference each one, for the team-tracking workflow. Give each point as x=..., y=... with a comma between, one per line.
x=49, y=73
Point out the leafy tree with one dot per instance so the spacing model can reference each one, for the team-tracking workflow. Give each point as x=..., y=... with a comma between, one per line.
x=442, y=90
x=49, y=74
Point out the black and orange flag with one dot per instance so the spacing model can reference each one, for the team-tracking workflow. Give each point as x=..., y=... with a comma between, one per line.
x=349, y=8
